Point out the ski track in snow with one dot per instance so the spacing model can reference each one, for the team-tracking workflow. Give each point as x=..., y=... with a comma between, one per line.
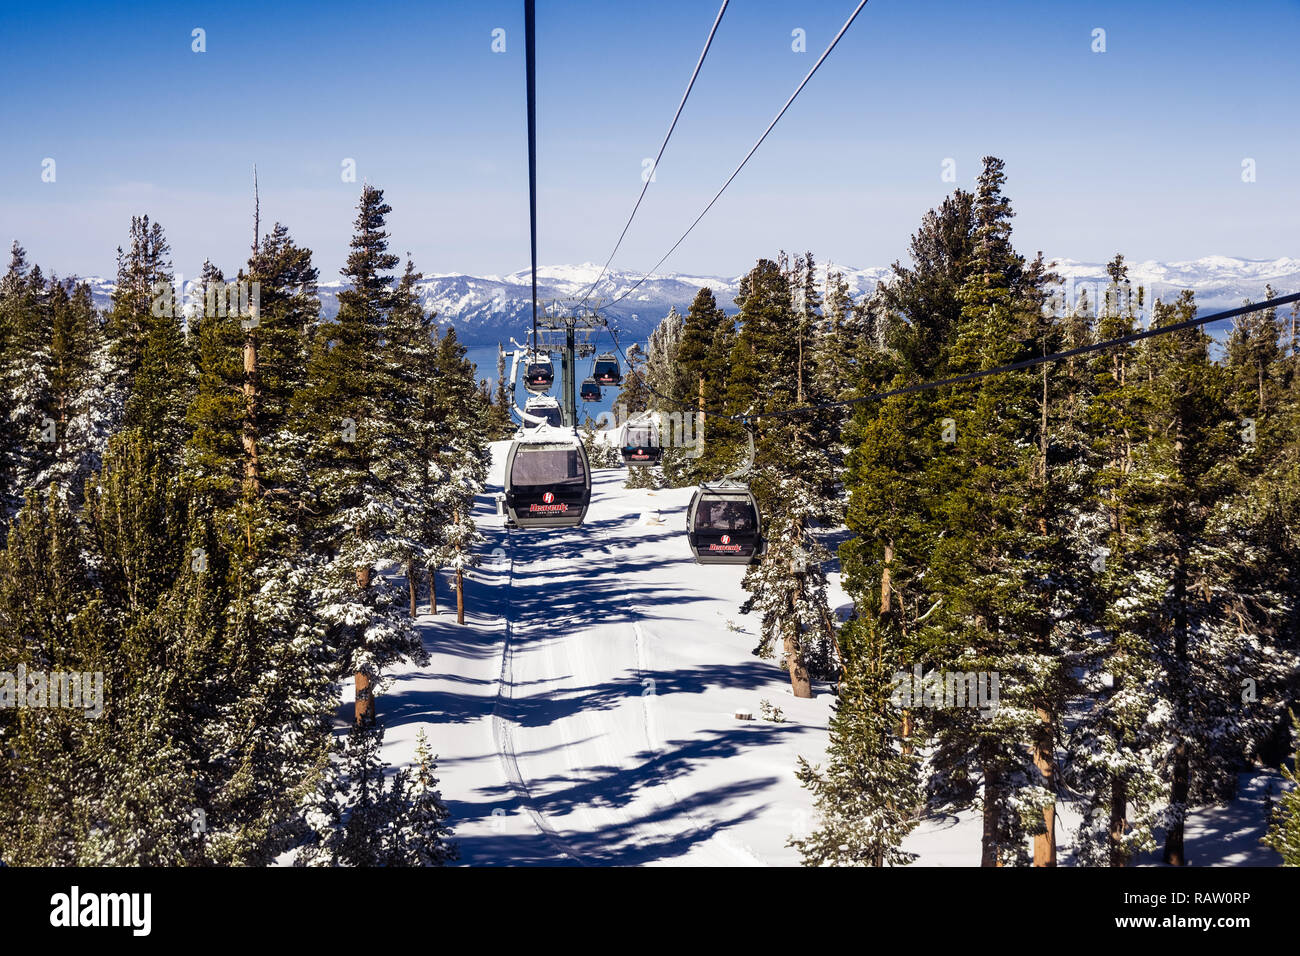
x=584, y=713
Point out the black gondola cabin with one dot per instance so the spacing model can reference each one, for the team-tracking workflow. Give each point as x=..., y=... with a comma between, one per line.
x=547, y=482
x=539, y=373
x=724, y=526
x=640, y=443
x=607, y=370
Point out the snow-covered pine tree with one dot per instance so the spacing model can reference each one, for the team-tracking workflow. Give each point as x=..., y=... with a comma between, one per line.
x=869, y=796
x=1001, y=598
x=353, y=455
x=360, y=816
x=465, y=458
x=663, y=373
x=77, y=376
x=411, y=364
x=499, y=424
x=794, y=479
x=702, y=356
x=1185, y=568
x=214, y=456
x=1112, y=745
x=633, y=396
x=49, y=615
x=832, y=339
x=27, y=432
x=153, y=362
x=1284, y=829
x=420, y=834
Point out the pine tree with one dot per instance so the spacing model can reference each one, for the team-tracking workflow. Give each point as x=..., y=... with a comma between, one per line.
x=151, y=379
x=355, y=454
x=421, y=835
x=462, y=462
x=1284, y=829
x=869, y=795
x=77, y=377
x=634, y=396
x=702, y=355
x=793, y=478
x=499, y=424
x=25, y=450
x=412, y=350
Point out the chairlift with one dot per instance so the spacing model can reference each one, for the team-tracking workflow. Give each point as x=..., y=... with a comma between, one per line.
x=547, y=481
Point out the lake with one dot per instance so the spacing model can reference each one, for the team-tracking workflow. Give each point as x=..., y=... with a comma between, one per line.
x=485, y=364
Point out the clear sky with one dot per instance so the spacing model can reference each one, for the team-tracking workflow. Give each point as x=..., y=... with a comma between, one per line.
x=1138, y=149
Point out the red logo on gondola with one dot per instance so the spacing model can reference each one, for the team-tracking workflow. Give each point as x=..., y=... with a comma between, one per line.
x=548, y=497
x=726, y=539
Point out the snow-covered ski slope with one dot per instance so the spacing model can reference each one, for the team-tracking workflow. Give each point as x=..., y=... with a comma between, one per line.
x=585, y=713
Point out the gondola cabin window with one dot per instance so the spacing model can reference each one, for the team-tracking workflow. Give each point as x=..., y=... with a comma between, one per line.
x=548, y=466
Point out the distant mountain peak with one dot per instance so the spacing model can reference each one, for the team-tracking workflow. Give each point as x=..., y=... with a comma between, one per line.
x=489, y=308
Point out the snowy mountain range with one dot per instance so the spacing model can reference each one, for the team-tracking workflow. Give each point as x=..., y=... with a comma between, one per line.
x=488, y=309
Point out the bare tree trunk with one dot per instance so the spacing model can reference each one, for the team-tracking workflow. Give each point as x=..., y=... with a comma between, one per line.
x=365, y=704
x=460, y=596
x=1118, y=820
x=800, y=682
x=700, y=432
x=412, y=585
x=364, y=711
x=887, y=613
x=992, y=810
x=1175, y=853
x=1045, y=761
x=433, y=592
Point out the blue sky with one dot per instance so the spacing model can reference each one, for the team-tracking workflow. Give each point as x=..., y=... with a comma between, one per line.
x=1138, y=149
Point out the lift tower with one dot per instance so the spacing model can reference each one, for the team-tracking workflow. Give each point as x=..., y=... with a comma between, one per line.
x=570, y=334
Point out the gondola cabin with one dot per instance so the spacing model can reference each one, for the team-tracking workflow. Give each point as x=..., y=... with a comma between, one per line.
x=547, y=481
x=607, y=370
x=640, y=443
x=590, y=391
x=539, y=373
x=723, y=525
x=544, y=407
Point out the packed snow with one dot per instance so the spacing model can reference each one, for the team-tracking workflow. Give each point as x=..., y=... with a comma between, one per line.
x=586, y=714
